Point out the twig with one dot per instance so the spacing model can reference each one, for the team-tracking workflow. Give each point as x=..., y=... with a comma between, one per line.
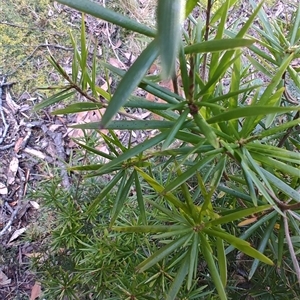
x=19, y=26
x=208, y=13
x=112, y=45
x=61, y=157
x=6, y=126
x=15, y=212
x=290, y=246
x=288, y=132
x=289, y=98
x=282, y=205
x=6, y=146
x=12, y=217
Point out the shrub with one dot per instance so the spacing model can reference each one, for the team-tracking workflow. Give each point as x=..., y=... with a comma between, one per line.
x=177, y=214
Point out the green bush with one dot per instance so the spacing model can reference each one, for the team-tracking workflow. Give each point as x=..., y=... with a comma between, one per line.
x=209, y=202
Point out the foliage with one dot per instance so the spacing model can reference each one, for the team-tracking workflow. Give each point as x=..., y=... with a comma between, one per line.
x=222, y=170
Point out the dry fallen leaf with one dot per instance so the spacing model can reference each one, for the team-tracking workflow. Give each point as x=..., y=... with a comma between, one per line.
x=116, y=63
x=35, y=152
x=14, y=107
x=18, y=144
x=36, y=291
x=3, y=189
x=16, y=234
x=34, y=204
x=12, y=171
x=85, y=117
x=54, y=127
x=4, y=279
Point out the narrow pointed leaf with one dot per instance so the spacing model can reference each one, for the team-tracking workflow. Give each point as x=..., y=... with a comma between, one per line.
x=54, y=99
x=121, y=197
x=239, y=244
x=105, y=191
x=189, y=6
x=179, y=278
x=130, y=81
x=208, y=256
x=77, y=107
x=252, y=229
x=139, y=197
x=170, y=14
x=218, y=45
x=262, y=245
x=162, y=253
x=160, y=190
x=281, y=185
x=151, y=228
x=175, y=128
x=238, y=215
x=206, y=130
x=98, y=11
x=193, y=261
x=250, y=111
x=188, y=174
x=222, y=262
x=131, y=153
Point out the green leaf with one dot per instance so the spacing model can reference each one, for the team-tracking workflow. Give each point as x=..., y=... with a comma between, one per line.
x=206, y=130
x=294, y=30
x=189, y=6
x=121, y=196
x=240, y=112
x=220, y=11
x=253, y=229
x=83, y=56
x=238, y=215
x=188, y=173
x=139, y=197
x=151, y=87
x=193, y=261
x=222, y=262
x=98, y=11
x=174, y=130
x=262, y=244
x=54, y=99
x=218, y=45
x=268, y=150
x=282, y=185
x=170, y=14
x=134, y=125
x=160, y=190
x=251, y=123
x=105, y=191
x=78, y=107
x=239, y=244
x=131, y=153
x=130, y=81
x=162, y=253
x=279, y=128
x=281, y=235
x=179, y=278
x=95, y=151
x=152, y=228
x=208, y=256
x=217, y=175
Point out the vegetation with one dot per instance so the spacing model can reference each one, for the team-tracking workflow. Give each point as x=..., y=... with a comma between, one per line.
x=207, y=206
